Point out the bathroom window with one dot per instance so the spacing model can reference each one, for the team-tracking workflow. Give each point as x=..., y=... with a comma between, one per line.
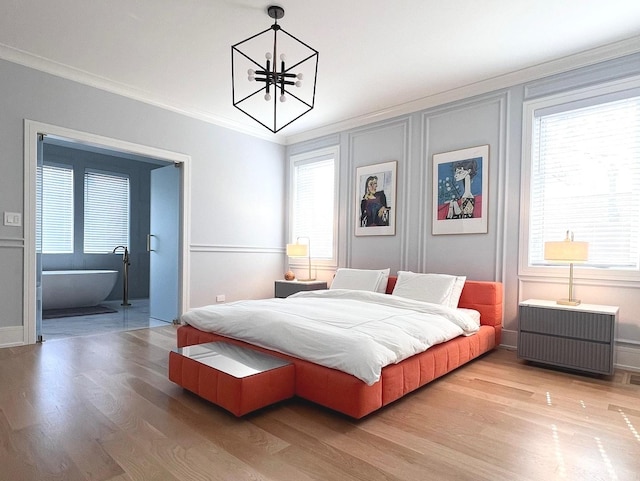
x=106, y=211
x=54, y=215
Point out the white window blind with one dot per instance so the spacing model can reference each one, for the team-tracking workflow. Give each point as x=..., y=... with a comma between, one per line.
x=313, y=206
x=106, y=212
x=585, y=177
x=54, y=214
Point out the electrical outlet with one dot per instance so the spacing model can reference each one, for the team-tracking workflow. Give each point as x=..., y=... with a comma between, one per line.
x=220, y=298
x=13, y=219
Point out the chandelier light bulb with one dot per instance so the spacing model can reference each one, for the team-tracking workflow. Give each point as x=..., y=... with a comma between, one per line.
x=283, y=98
x=283, y=57
x=300, y=76
x=267, y=55
x=251, y=72
x=267, y=97
x=298, y=84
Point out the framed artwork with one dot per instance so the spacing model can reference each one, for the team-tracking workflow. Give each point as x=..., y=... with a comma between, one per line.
x=460, y=191
x=376, y=199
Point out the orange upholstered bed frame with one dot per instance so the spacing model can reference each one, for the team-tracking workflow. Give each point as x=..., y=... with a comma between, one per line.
x=349, y=395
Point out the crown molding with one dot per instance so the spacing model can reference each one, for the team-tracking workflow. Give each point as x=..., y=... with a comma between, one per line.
x=535, y=72
x=57, y=69
x=571, y=62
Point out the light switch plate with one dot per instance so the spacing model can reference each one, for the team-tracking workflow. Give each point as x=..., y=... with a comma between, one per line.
x=13, y=219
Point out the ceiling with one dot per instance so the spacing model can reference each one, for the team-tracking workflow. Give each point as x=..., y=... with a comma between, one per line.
x=376, y=57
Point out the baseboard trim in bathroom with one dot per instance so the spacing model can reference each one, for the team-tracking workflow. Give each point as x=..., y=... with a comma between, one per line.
x=76, y=311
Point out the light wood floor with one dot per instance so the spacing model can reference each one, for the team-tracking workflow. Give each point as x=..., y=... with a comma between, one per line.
x=102, y=408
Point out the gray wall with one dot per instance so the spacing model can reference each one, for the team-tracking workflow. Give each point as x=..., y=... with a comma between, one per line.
x=495, y=119
x=233, y=250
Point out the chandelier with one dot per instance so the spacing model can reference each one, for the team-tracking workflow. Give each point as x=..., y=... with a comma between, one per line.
x=282, y=88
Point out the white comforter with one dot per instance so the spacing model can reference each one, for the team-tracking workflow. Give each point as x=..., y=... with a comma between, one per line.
x=353, y=331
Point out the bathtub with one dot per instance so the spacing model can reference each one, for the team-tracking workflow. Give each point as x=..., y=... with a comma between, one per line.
x=77, y=288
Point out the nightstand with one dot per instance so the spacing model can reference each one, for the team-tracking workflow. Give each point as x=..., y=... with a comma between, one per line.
x=286, y=288
x=578, y=337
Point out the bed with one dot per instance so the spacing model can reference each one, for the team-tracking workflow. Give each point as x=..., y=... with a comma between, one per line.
x=356, y=397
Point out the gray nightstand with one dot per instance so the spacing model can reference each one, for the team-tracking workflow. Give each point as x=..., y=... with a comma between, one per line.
x=286, y=288
x=578, y=337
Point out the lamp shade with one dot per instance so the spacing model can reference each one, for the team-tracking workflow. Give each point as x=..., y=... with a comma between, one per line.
x=566, y=251
x=297, y=250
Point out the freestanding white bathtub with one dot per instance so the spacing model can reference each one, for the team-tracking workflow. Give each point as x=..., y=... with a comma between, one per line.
x=77, y=288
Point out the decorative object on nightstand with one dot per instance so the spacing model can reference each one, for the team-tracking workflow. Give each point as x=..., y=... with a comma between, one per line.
x=301, y=250
x=289, y=276
x=286, y=288
x=567, y=251
x=580, y=337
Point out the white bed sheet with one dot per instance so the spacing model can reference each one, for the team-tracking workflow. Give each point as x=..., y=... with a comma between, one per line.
x=356, y=332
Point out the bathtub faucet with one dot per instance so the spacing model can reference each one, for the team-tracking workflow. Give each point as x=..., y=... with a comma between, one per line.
x=125, y=256
x=125, y=280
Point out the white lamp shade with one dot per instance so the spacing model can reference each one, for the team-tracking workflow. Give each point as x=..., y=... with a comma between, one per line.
x=566, y=251
x=297, y=250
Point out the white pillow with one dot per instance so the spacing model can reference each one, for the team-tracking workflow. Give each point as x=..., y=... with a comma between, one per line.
x=472, y=313
x=384, y=280
x=456, y=291
x=440, y=289
x=373, y=280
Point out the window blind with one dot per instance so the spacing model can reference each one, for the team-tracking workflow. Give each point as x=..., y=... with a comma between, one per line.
x=106, y=212
x=313, y=205
x=54, y=214
x=585, y=177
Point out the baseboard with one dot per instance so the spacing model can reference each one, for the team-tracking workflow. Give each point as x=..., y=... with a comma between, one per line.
x=628, y=357
x=509, y=339
x=12, y=336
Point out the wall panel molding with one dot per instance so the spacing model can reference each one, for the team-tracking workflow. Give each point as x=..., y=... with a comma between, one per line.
x=236, y=249
x=497, y=153
x=402, y=195
x=502, y=187
x=11, y=242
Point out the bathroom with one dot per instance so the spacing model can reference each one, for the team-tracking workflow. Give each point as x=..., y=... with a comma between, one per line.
x=64, y=319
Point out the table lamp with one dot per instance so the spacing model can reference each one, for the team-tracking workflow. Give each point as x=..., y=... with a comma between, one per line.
x=567, y=251
x=301, y=250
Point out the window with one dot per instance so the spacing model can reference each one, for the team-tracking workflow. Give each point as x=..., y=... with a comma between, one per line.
x=106, y=212
x=584, y=175
x=313, y=201
x=54, y=216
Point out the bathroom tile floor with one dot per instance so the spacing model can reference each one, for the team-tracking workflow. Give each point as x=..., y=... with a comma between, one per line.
x=129, y=318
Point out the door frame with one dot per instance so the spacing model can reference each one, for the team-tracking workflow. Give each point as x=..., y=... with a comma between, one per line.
x=31, y=131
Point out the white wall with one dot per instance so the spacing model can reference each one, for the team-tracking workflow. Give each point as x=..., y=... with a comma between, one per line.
x=237, y=184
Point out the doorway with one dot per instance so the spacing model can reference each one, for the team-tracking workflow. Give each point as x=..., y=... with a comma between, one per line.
x=123, y=150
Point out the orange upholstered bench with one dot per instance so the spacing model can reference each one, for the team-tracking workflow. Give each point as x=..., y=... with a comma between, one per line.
x=234, y=377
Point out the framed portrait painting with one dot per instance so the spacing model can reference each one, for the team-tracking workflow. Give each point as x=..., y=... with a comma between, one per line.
x=376, y=199
x=460, y=191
